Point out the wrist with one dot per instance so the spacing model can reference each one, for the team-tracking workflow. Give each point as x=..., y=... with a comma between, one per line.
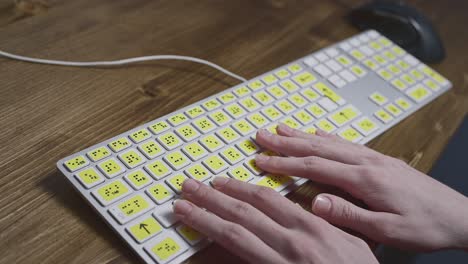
x=460, y=225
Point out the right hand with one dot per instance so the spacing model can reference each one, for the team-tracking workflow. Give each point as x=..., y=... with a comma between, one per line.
x=406, y=208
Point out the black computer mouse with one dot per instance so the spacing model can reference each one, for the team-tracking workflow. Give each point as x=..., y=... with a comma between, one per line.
x=404, y=25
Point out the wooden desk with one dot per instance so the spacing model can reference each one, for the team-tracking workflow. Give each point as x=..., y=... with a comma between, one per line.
x=49, y=112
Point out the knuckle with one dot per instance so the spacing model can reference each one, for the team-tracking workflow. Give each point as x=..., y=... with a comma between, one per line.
x=314, y=146
x=232, y=234
x=203, y=193
x=240, y=210
x=346, y=212
x=310, y=162
x=263, y=194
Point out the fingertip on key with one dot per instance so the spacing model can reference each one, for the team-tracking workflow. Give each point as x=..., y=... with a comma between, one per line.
x=190, y=186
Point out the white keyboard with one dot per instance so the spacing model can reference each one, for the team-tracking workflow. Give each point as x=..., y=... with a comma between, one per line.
x=357, y=89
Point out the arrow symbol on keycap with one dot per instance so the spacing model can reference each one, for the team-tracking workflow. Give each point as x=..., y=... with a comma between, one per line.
x=143, y=226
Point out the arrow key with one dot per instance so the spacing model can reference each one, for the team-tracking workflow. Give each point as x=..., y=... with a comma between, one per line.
x=145, y=229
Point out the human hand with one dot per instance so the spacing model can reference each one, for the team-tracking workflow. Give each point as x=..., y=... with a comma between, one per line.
x=261, y=226
x=406, y=208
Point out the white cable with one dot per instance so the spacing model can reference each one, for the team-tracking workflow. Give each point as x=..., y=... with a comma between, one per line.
x=121, y=62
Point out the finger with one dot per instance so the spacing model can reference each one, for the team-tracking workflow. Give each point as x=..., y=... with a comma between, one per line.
x=231, y=236
x=340, y=212
x=315, y=146
x=270, y=202
x=315, y=168
x=236, y=211
x=285, y=130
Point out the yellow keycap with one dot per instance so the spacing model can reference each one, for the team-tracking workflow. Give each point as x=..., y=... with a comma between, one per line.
x=111, y=167
x=295, y=68
x=269, y=79
x=215, y=164
x=365, y=126
x=408, y=79
x=169, y=140
x=379, y=59
x=258, y=120
x=310, y=94
x=120, y=144
x=195, y=151
x=195, y=111
x=383, y=116
x=159, y=127
x=384, y=41
x=434, y=75
x=198, y=172
x=276, y=91
x=418, y=93
x=434, y=86
x=403, y=64
x=375, y=45
x=166, y=250
x=89, y=177
x=283, y=73
x=252, y=166
x=371, y=64
x=232, y=155
x=241, y=91
x=212, y=143
x=385, y=74
x=399, y=84
x=256, y=85
x=389, y=55
x=344, y=115
x=276, y=182
x=235, y=111
x=189, y=234
x=416, y=74
x=357, y=54
x=285, y=106
x=176, y=181
x=151, y=149
x=403, y=103
x=211, y=104
x=393, y=109
x=187, y=132
x=138, y=179
x=111, y=192
x=250, y=104
x=227, y=134
x=145, y=229
x=140, y=135
x=98, y=153
x=311, y=130
x=220, y=118
x=343, y=60
x=304, y=79
x=240, y=173
x=247, y=147
x=76, y=163
x=132, y=158
x=316, y=110
x=328, y=92
x=291, y=122
x=131, y=208
x=398, y=51
x=243, y=127
x=358, y=70
x=303, y=117
x=177, y=160
x=227, y=97
x=272, y=113
x=177, y=119
x=289, y=86
x=272, y=129
x=160, y=193
x=325, y=125
x=378, y=98
x=263, y=97
x=158, y=169
x=204, y=125
x=298, y=100
x=350, y=134
x=394, y=69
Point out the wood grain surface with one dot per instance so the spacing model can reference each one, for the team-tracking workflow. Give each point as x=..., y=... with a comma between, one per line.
x=48, y=112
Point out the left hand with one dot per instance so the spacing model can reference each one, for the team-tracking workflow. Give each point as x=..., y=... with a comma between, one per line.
x=261, y=226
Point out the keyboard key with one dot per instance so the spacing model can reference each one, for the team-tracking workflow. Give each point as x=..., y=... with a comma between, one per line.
x=272, y=113
x=111, y=192
x=386, y=75
x=220, y=118
x=399, y=84
x=389, y=55
x=350, y=134
x=194, y=151
x=187, y=132
x=204, y=125
x=322, y=70
x=243, y=127
x=310, y=61
x=177, y=160
x=333, y=65
x=347, y=75
x=269, y=79
x=263, y=97
x=398, y=51
x=316, y=110
x=232, y=155
x=403, y=103
x=160, y=193
x=256, y=85
x=189, y=234
x=291, y=122
x=393, y=69
x=365, y=126
x=408, y=79
x=144, y=229
x=252, y=166
x=417, y=74
x=344, y=60
x=140, y=135
x=159, y=127
x=393, y=109
x=285, y=106
x=165, y=249
x=432, y=85
x=138, y=179
x=371, y=64
x=337, y=81
x=328, y=92
x=289, y=86
x=295, y=68
x=379, y=59
x=332, y=52
x=276, y=182
x=169, y=140
x=402, y=64
x=120, y=144
x=235, y=111
x=378, y=98
x=366, y=50
x=241, y=91
x=326, y=126
x=240, y=173
x=198, y=172
x=157, y=169
x=258, y=120
x=434, y=75
x=227, y=98
x=357, y=54
x=298, y=100
x=176, y=181
x=327, y=104
x=383, y=116
x=282, y=73
x=228, y=135
x=303, y=117
x=311, y=130
x=98, y=154
x=131, y=208
x=211, y=104
x=418, y=93
x=310, y=94
x=321, y=57
x=212, y=143
x=111, y=167
x=215, y=164
x=248, y=147
x=360, y=72
x=276, y=91
x=76, y=163
x=344, y=115
x=250, y=104
x=194, y=112
x=151, y=149
x=132, y=158
x=89, y=177
x=376, y=46
x=384, y=41
x=177, y=119
x=304, y=78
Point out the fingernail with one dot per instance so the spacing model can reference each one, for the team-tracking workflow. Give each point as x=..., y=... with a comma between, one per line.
x=321, y=205
x=181, y=207
x=261, y=158
x=219, y=181
x=265, y=133
x=285, y=127
x=190, y=186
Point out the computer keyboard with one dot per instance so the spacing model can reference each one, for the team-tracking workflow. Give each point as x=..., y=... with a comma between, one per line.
x=356, y=89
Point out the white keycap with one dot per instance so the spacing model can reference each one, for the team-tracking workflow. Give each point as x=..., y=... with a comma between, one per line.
x=337, y=81
x=321, y=57
x=327, y=104
x=310, y=61
x=322, y=70
x=373, y=34
x=366, y=50
x=332, y=64
x=120, y=213
x=345, y=46
x=355, y=42
x=347, y=75
x=363, y=38
x=410, y=60
x=332, y=52
x=165, y=215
